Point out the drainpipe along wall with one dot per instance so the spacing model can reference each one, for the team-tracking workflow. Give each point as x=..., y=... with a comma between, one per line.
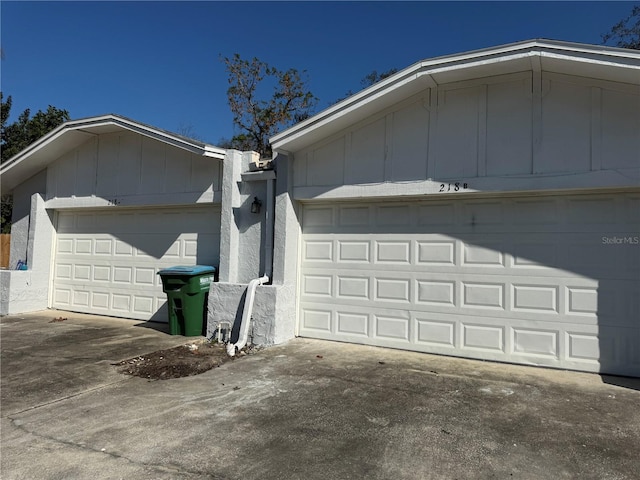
x=267, y=249
x=246, y=251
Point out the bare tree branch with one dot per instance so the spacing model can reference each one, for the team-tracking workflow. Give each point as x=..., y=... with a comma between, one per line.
x=257, y=115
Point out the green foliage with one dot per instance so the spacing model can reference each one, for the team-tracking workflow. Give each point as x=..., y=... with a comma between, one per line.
x=5, y=214
x=26, y=130
x=625, y=33
x=5, y=110
x=16, y=136
x=258, y=114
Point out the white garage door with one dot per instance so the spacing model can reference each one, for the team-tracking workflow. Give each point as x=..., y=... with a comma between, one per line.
x=540, y=280
x=106, y=262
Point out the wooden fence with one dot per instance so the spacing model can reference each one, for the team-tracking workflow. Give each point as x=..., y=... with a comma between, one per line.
x=5, y=243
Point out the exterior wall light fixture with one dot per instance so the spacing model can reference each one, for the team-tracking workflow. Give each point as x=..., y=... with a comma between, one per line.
x=255, y=206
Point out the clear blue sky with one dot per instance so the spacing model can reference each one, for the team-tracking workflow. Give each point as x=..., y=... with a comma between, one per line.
x=159, y=62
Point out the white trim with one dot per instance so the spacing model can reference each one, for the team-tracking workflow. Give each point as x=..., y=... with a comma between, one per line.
x=470, y=196
x=421, y=76
x=138, y=201
x=87, y=124
x=258, y=176
x=298, y=292
x=52, y=258
x=490, y=80
x=86, y=128
x=627, y=178
x=593, y=82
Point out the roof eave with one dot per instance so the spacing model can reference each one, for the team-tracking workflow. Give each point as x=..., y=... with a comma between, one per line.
x=71, y=134
x=422, y=75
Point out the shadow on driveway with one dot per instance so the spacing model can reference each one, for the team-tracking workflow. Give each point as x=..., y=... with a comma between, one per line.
x=307, y=409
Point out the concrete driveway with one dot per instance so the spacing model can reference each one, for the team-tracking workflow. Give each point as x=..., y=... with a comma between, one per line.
x=306, y=410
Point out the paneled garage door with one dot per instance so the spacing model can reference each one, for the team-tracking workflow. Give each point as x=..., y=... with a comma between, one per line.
x=551, y=281
x=106, y=262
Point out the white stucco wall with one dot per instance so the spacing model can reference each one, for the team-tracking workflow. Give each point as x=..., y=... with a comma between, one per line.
x=243, y=252
x=273, y=315
x=5, y=291
x=226, y=304
x=252, y=229
x=285, y=253
x=22, y=206
x=242, y=256
x=28, y=290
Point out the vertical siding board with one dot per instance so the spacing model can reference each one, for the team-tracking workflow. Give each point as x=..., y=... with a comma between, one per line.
x=348, y=164
x=434, y=96
x=86, y=169
x=67, y=170
x=409, y=142
x=110, y=166
x=178, y=172
x=566, y=126
x=388, y=148
x=300, y=169
x=620, y=124
x=525, y=123
x=129, y=164
x=328, y=164
x=52, y=181
x=310, y=159
x=153, y=166
x=204, y=174
x=596, y=128
x=366, y=164
x=536, y=114
x=348, y=154
x=508, y=132
x=107, y=165
x=482, y=131
x=217, y=186
x=458, y=134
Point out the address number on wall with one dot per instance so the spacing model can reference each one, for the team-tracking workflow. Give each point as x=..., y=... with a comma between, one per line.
x=453, y=187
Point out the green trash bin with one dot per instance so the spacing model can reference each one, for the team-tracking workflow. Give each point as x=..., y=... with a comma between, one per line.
x=187, y=289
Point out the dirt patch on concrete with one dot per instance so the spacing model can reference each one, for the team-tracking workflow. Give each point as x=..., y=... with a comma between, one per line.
x=182, y=361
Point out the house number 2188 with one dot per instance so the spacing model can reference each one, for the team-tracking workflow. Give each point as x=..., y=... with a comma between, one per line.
x=455, y=187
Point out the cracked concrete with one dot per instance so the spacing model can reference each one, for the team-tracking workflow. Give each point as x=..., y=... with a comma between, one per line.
x=308, y=409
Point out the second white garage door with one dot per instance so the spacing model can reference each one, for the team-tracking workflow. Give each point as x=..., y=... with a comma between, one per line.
x=106, y=261
x=543, y=280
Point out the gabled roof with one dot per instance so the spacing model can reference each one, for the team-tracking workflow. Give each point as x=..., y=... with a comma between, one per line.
x=599, y=62
x=74, y=133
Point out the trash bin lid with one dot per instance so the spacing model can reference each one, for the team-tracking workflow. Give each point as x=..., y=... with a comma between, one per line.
x=187, y=270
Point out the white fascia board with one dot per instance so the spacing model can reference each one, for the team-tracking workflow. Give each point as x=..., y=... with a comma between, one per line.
x=70, y=134
x=405, y=84
x=95, y=123
x=149, y=131
x=34, y=147
x=577, y=49
x=572, y=50
x=38, y=155
x=354, y=107
x=628, y=62
x=214, y=152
